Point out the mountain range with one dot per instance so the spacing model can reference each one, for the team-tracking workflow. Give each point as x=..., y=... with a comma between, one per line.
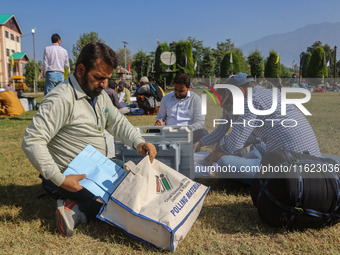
x=291, y=44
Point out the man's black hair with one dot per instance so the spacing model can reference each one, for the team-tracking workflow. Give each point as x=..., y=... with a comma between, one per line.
x=55, y=38
x=121, y=83
x=182, y=78
x=112, y=84
x=93, y=51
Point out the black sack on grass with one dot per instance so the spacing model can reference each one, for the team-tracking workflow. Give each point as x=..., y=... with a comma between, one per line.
x=303, y=197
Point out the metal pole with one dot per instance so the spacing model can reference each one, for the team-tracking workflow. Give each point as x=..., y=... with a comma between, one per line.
x=125, y=58
x=300, y=74
x=335, y=62
x=34, y=81
x=125, y=43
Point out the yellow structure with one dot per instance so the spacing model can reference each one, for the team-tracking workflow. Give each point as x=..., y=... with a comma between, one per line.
x=19, y=82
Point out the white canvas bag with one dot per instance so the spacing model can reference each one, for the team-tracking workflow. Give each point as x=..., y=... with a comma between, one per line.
x=154, y=204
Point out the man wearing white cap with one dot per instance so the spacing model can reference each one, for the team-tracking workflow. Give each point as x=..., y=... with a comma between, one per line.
x=146, y=99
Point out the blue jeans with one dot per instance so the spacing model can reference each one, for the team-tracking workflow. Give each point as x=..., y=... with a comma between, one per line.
x=52, y=79
x=244, y=168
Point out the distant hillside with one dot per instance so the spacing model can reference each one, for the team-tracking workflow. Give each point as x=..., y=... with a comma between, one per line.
x=291, y=44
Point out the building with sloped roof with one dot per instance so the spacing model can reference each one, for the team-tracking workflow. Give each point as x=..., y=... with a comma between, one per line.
x=11, y=57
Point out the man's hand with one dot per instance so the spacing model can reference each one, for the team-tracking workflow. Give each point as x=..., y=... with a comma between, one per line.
x=71, y=182
x=144, y=148
x=197, y=146
x=160, y=123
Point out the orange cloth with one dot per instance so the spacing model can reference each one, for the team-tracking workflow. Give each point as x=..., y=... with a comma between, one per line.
x=12, y=103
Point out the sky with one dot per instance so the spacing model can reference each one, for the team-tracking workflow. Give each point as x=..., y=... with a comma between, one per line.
x=142, y=23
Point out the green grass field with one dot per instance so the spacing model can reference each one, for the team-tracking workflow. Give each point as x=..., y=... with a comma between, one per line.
x=228, y=223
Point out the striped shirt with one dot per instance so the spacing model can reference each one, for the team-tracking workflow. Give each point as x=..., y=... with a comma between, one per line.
x=299, y=137
x=218, y=133
x=55, y=59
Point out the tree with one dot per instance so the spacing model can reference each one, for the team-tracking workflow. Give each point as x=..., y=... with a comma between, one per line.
x=272, y=67
x=197, y=50
x=121, y=57
x=285, y=72
x=225, y=46
x=172, y=46
x=184, y=59
x=255, y=60
x=160, y=67
x=317, y=65
x=208, y=63
x=29, y=73
x=72, y=65
x=141, y=63
x=313, y=46
x=244, y=66
x=219, y=53
x=329, y=54
x=305, y=65
x=66, y=73
x=230, y=64
x=338, y=68
x=84, y=39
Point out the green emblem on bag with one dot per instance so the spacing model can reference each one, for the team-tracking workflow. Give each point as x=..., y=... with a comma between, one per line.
x=162, y=183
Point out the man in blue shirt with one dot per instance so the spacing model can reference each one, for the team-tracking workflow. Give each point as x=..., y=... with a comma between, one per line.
x=182, y=107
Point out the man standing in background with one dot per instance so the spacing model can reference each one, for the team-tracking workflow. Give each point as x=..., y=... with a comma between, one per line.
x=55, y=61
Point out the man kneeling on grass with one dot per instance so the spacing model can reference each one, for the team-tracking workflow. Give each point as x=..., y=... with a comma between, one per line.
x=70, y=117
